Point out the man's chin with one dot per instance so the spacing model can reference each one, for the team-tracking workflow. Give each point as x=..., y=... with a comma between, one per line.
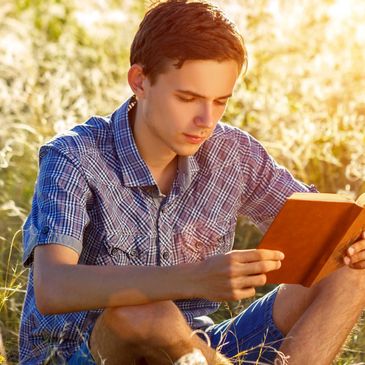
x=186, y=152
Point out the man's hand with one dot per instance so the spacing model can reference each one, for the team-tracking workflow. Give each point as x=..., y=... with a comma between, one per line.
x=235, y=275
x=355, y=254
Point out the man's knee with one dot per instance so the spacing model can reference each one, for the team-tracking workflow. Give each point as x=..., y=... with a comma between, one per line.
x=290, y=304
x=143, y=324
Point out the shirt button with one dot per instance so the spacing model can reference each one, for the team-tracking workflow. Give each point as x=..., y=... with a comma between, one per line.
x=133, y=253
x=45, y=230
x=115, y=251
x=165, y=255
x=198, y=245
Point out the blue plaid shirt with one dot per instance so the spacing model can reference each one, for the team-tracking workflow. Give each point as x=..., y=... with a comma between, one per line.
x=96, y=195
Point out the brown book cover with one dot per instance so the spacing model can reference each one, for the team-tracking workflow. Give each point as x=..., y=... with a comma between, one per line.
x=313, y=230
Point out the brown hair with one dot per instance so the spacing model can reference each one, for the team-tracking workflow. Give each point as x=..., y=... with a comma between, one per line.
x=181, y=30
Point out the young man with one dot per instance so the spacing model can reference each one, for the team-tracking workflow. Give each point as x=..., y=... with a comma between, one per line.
x=129, y=241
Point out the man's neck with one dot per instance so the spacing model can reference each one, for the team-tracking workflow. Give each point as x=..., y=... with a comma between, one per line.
x=161, y=162
x=165, y=178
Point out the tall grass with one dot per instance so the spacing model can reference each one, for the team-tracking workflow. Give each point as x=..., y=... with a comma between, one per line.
x=64, y=60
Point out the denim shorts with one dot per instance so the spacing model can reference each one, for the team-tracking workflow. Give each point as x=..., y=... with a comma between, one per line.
x=249, y=338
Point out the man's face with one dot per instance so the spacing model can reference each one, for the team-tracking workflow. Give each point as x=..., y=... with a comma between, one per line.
x=180, y=111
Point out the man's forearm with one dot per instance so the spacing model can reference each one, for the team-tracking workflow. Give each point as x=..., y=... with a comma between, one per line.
x=70, y=288
x=62, y=285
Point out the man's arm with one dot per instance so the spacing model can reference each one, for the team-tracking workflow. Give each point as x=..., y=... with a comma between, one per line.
x=61, y=285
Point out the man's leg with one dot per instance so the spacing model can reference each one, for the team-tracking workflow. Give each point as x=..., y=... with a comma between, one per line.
x=155, y=333
x=251, y=337
x=318, y=320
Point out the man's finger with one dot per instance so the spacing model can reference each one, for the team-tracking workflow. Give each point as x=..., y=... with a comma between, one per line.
x=258, y=267
x=356, y=247
x=250, y=281
x=246, y=256
x=359, y=265
x=357, y=257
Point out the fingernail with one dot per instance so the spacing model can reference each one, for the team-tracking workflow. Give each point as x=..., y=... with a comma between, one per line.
x=351, y=251
x=346, y=260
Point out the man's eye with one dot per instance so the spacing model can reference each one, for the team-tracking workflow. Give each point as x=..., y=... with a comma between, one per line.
x=189, y=100
x=186, y=100
x=221, y=102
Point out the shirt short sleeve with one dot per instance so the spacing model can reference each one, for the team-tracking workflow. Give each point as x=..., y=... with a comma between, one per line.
x=58, y=213
x=266, y=185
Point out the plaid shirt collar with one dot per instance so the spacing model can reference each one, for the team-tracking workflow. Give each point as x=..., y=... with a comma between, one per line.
x=135, y=171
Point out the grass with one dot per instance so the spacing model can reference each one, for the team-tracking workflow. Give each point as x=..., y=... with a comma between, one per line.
x=64, y=60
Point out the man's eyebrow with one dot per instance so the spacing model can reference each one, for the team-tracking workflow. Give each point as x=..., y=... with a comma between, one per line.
x=192, y=93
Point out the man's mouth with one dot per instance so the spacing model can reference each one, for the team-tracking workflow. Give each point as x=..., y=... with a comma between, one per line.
x=194, y=139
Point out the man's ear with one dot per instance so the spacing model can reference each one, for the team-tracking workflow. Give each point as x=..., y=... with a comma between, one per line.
x=136, y=80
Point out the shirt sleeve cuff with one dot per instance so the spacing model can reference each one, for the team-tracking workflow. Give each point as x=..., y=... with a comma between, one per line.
x=34, y=238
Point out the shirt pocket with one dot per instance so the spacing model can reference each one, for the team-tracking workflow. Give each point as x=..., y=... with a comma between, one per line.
x=126, y=249
x=197, y=242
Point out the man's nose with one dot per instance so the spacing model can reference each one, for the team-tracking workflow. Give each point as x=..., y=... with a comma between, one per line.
x=205, y=118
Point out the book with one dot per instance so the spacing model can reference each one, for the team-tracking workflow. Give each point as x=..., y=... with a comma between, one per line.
x=313, y=230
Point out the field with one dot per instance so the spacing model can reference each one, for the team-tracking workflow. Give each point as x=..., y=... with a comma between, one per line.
x=303, y=96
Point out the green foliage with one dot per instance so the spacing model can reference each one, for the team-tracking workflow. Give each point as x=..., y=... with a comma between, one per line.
x=64, y=60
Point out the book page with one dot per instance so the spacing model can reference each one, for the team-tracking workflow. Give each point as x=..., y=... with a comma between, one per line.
x=361, y=200
x=324, y=197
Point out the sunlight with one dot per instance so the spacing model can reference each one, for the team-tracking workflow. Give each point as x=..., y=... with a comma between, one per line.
x=62, y=61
